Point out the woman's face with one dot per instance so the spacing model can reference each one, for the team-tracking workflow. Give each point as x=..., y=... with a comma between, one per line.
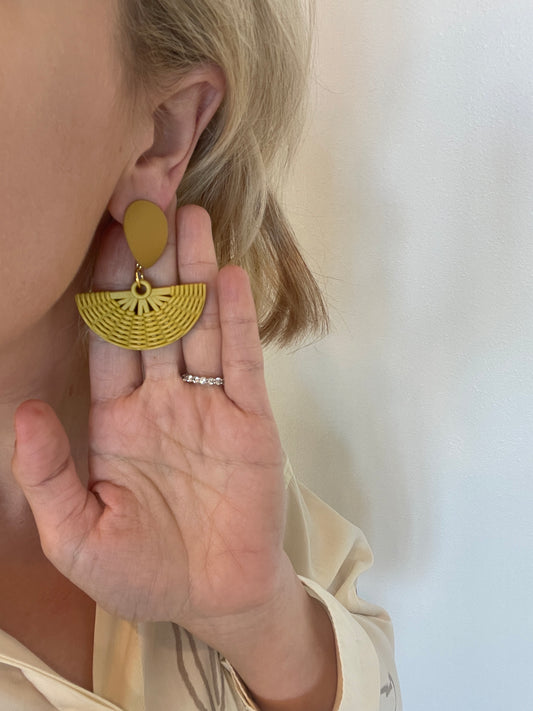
x=65, y=139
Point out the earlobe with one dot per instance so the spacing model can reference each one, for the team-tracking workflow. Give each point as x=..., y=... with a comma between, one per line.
x=177, y=123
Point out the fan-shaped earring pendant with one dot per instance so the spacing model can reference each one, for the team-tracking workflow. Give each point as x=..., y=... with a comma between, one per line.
x=144, y=317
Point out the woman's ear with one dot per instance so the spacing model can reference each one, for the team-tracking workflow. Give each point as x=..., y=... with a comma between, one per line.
x=173, y=131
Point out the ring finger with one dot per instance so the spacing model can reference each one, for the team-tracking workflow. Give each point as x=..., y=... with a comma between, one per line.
x=197, y=263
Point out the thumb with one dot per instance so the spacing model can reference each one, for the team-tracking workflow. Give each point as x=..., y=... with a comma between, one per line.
x=63, y=509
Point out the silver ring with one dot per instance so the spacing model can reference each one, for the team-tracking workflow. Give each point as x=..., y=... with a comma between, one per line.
x=201, y=380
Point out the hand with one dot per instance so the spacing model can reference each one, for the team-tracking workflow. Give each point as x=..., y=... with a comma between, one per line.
x=183, y=516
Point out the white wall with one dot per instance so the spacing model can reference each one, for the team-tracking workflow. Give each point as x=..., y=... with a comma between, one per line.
x=413, y=199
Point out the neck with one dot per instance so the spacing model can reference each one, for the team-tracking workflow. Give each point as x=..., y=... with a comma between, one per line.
x=47, y=362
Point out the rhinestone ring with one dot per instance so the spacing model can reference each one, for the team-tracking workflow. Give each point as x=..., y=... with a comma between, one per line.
x=201, y=380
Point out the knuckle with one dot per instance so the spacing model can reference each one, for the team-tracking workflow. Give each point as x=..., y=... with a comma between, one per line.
x=209, y=321
x=57, y=472
x=60, y=469
x=203, y=264
x=239, y=321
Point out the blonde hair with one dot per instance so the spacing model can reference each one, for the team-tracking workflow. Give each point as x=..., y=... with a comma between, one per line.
x=235, y=174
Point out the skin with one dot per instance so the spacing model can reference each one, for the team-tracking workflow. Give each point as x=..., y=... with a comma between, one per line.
x=157, y=499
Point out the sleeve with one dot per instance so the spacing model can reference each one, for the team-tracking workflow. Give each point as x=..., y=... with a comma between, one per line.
x=329, y=553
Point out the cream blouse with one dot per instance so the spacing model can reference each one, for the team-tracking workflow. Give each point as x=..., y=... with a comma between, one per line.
x=161, y=667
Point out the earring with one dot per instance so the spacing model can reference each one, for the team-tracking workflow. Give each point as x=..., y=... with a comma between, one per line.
x=144, y=317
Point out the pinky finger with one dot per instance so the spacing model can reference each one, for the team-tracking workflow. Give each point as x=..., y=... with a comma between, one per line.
x=242, y=356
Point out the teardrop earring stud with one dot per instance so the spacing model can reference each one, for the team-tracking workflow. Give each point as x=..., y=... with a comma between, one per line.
x=143, y=317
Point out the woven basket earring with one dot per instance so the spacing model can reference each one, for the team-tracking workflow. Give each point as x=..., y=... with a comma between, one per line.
x=144, y=317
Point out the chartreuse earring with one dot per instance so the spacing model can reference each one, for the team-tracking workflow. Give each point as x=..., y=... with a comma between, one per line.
x=143, y=317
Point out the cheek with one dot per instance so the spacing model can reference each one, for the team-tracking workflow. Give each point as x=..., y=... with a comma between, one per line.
x=60, y=162
x=60, y=130
x=51, y=211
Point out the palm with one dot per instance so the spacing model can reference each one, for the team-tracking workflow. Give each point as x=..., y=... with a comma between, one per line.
x=184, y=516
x=195, y=489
